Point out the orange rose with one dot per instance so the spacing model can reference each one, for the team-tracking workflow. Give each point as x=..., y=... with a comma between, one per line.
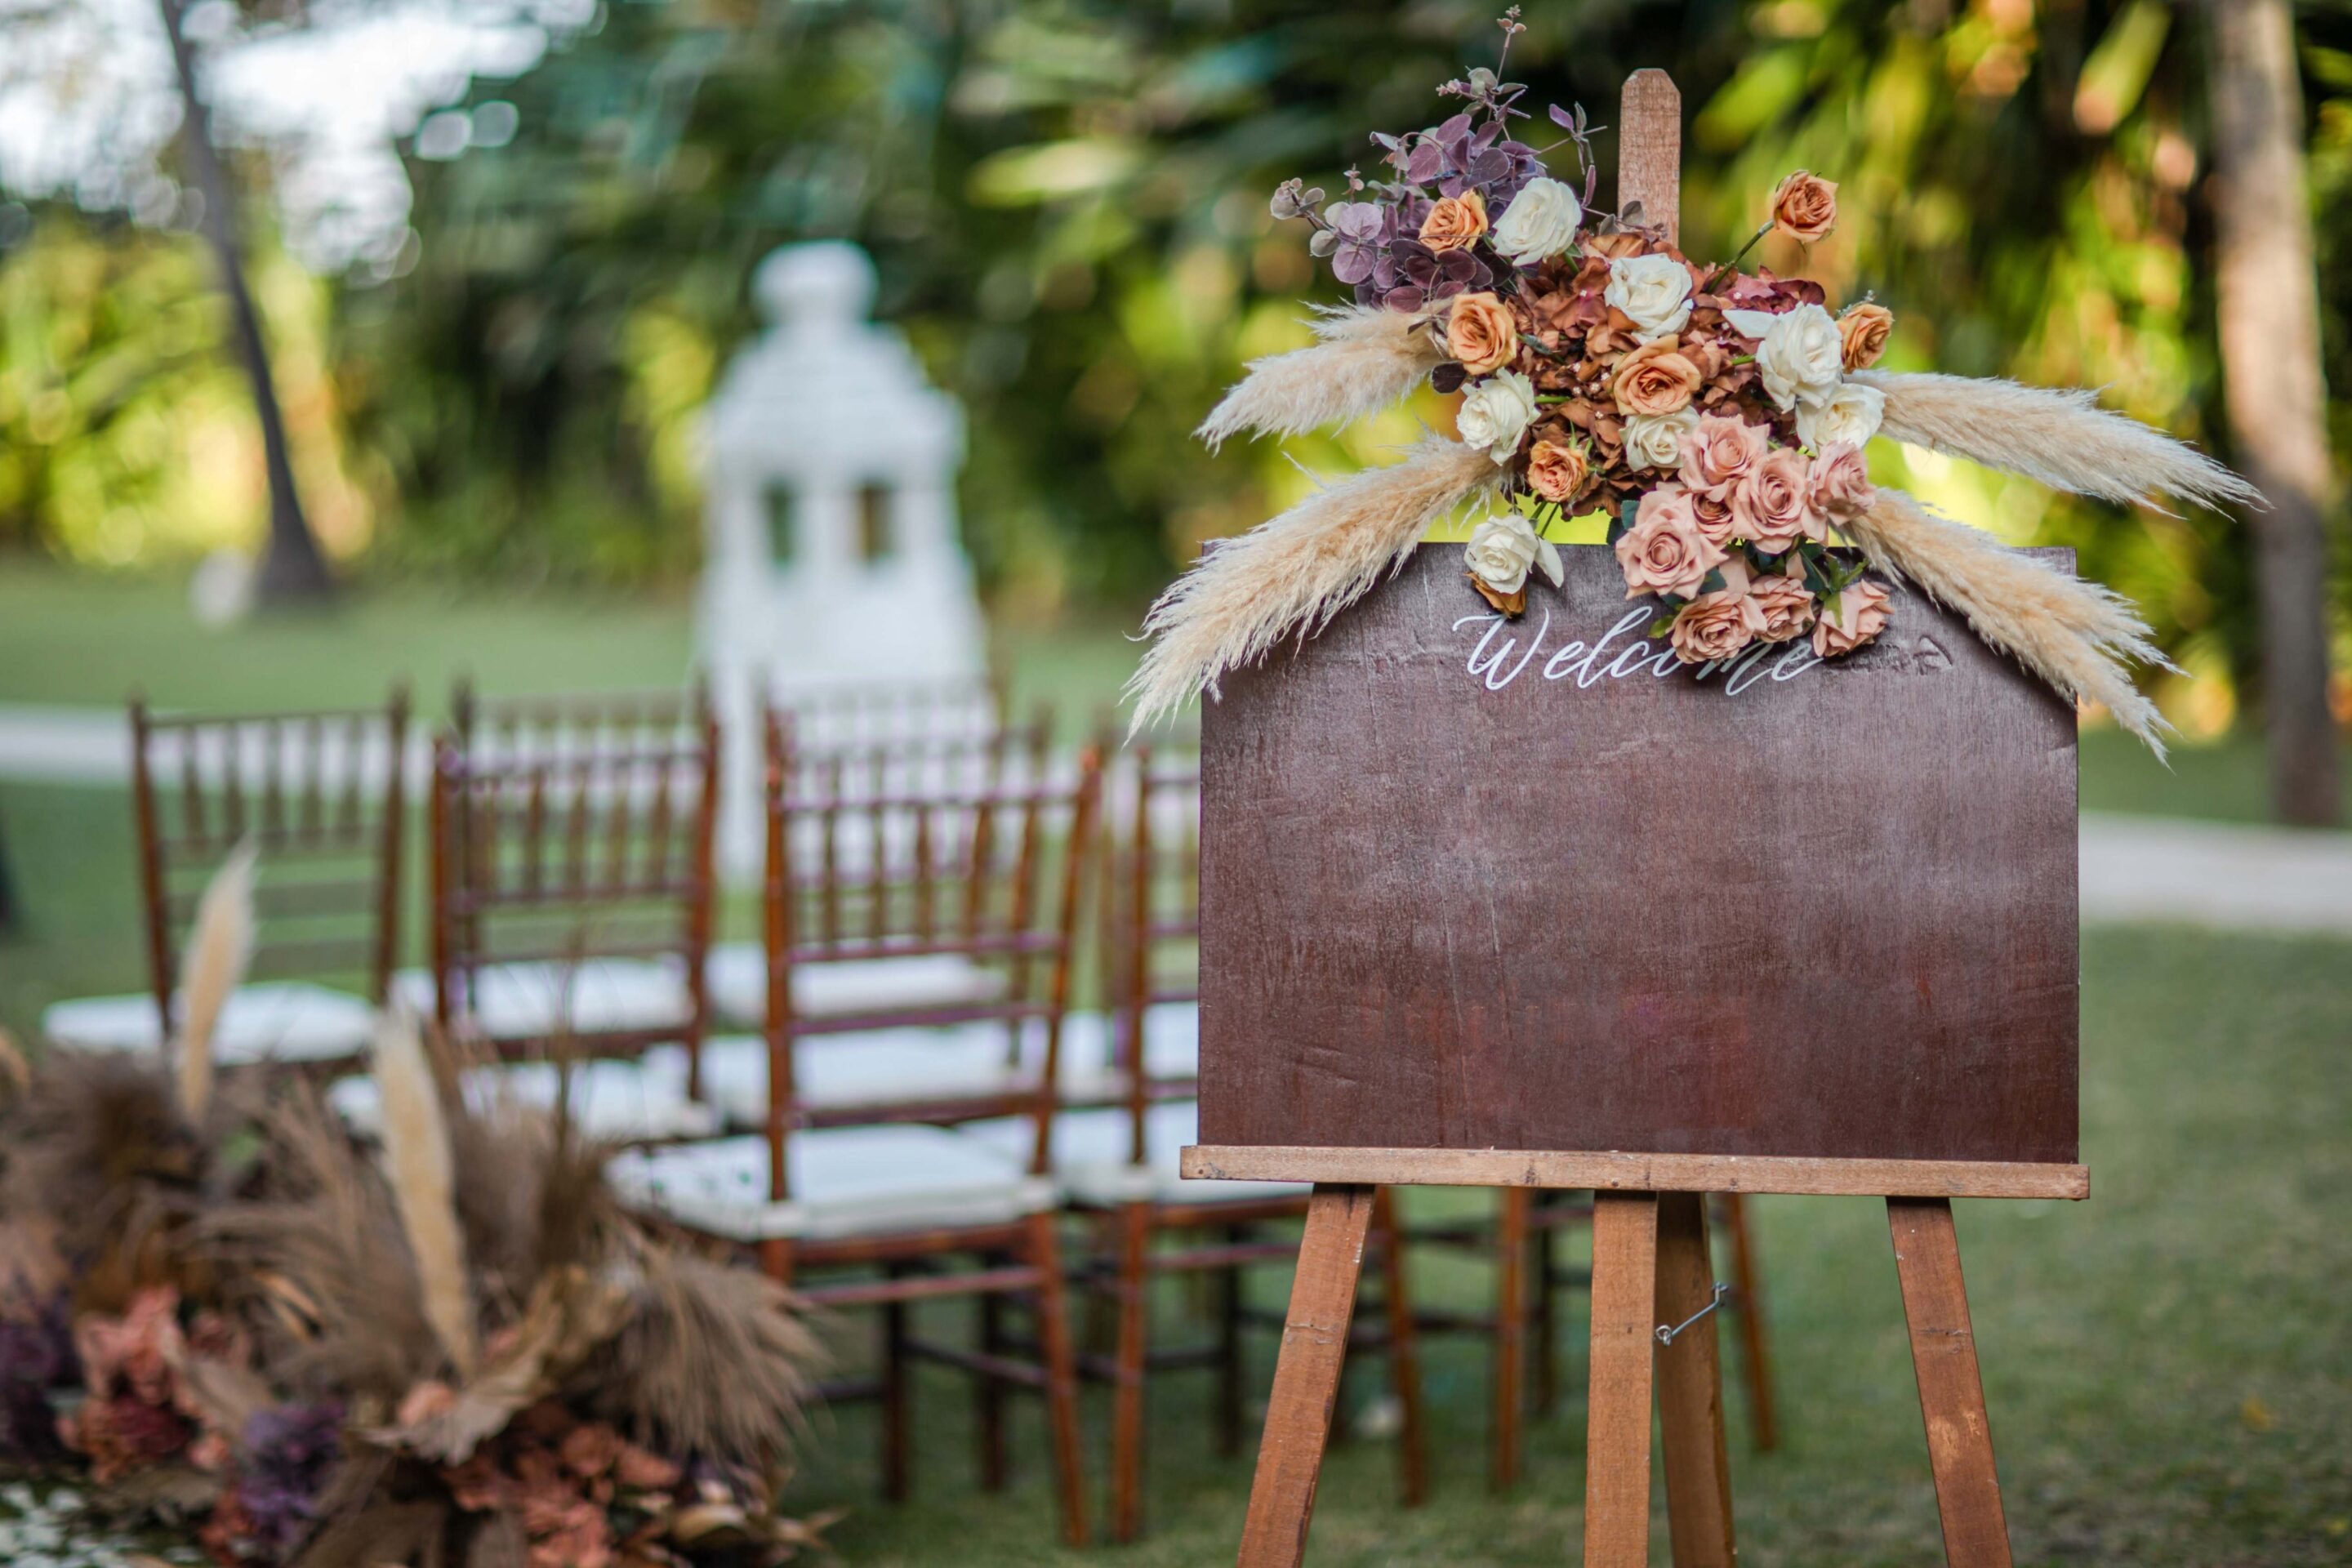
x=1786, y=602
x=1654, y=378
x=1805, y=207
x=1454, y=222
x=1859, y=616
x=1863, y=331
x=1481, y=333
x=1556, y=472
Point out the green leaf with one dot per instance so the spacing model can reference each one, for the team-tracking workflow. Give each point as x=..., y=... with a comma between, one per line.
x=1660, y=626
x=1712, y=582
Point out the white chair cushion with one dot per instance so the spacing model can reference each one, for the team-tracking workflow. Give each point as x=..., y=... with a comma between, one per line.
x=844, y=1181
x=882, y=1068
x=615, y=1101
x=541, y=999
x=1090, y=1157
x=1171, y=1049
x=289, y=1021
x=737, y=974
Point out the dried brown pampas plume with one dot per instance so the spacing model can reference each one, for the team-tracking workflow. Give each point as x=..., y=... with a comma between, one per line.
x=418, y=1160
x=1369, y=357
x=711, y=1359
x=2064, y=440
x=2077, y=636
x=220, y=945
x=1293, y=573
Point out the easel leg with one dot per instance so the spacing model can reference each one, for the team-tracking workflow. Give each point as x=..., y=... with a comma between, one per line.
x=1306, y=1378
x=1404, y=1357
x=1617, y=1445
x=1951, y=1392
x=1690, y=1390
x=1510, y=1331
x=1755, y=1359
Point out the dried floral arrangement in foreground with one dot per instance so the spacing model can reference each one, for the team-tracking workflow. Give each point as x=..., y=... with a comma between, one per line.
x=219, y=1312
x=1719, y=416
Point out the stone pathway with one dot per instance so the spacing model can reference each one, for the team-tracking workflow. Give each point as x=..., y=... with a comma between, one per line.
x=2133, y=868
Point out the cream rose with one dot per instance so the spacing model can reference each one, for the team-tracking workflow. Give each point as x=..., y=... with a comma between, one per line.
x=1480, y=331
x=1848, y=416
x=1664, y=551
x=1842, y=488
x=1850, y=618
x=1799, y=353
x=1652, y=291
x=1773, y=507
x=1721, y=452
x=1495, y=413
x=1541, y=221
x=1656, y=440
x=1502, y=548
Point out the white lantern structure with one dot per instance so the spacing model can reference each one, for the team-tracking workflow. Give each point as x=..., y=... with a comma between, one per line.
x=832, y=560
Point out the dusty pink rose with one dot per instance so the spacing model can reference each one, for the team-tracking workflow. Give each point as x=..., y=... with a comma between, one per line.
x=135, y=1352
x=1860, y=615
x=1786, y=602
x=590, y=1449
x=1716, y=626
x=643, y=1472
x=1720, y=453
x=1713, y=519
x=1664, y=551
x=1841, y=482
x=1772, y=507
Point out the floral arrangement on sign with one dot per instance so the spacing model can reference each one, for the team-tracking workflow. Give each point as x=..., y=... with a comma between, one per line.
x=1717, y=415
x=221, y=1311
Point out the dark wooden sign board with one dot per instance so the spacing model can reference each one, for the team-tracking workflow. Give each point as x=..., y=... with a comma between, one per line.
x=1529, y=904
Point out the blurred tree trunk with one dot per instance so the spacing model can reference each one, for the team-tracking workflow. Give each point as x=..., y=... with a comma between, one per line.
x=2270, y=356
x=292, y=566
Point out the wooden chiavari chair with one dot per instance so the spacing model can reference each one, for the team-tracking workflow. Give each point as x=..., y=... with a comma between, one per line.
x=873, y=753
x=1117, y=1160
x=319, y=796
x=573, y=878
x=991, y=873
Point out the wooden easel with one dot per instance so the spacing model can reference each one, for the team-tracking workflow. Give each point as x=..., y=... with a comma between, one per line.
x=1651, y=1271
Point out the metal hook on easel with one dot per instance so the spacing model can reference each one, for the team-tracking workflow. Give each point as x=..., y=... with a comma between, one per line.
x=1666, y=1335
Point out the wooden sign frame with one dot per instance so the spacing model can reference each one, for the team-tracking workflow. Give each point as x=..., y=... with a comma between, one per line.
x=1651, y=1267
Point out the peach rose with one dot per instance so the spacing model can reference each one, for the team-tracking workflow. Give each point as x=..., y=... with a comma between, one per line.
x=1556, y=472
x=1664, y=551
x=1786, y=602
x=1481, y=333
x=1851, y=619
x=1841, y=485
x=1454, y=222
x=1772, y=507
x=1720, y=453
x=1863, y=331
x=1715, y=626
x=1804, y=207
x=1654, y=378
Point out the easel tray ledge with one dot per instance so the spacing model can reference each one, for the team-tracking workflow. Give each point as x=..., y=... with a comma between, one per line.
x=1619, y=1172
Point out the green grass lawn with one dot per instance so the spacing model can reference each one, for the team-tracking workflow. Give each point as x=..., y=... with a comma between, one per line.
x=2168, y=1366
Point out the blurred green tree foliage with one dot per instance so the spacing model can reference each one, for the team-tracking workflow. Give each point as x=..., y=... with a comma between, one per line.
x=1066, y=200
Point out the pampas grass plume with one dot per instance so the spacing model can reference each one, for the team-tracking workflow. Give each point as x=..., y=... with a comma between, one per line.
x=418, y=1163
x=220, y=945
x=2064, y=440
x=1291, y=574
x=1369, y=357
x=2077, y=635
